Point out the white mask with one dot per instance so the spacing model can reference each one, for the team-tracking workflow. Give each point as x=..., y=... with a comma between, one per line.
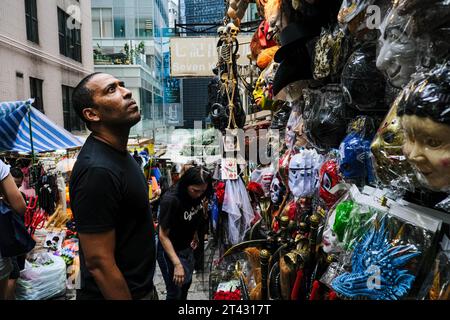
x=303, y=173
x=329, y=238
x=398, y=51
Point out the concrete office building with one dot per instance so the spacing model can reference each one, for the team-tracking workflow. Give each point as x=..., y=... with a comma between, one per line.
x=44, y=53
x=117, y=24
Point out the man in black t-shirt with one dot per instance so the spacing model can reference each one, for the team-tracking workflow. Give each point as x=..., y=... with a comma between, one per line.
x=109, y=197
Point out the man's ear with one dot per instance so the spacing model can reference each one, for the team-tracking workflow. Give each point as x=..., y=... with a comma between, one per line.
x=91, y=114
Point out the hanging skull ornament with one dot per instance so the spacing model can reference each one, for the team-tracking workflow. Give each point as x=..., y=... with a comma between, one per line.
x=329, y=177
x=277, y=191
x=354, y=162
x=232, y=30
x=391, y=166
x=303, y=173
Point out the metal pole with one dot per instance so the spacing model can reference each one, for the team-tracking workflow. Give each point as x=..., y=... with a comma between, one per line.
x=31, y=134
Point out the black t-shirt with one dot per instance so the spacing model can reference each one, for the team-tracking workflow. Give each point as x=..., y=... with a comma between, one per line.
x=109, y=191
x=181, y=216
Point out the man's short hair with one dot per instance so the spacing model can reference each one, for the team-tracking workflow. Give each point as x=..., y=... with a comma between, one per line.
x=82, y=96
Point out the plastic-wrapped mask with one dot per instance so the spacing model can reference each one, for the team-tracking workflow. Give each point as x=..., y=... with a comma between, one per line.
x=329, y=177
x=354, y=162
x=277, y=191
x=263, y=93
x=390, y=163
x=398, y=50
x=325, y=117
x=424, y=109
x=290, y=135
x=303, y=173
x=330, y=239
x=283, y=170
x=281, y=118
x=363, y=83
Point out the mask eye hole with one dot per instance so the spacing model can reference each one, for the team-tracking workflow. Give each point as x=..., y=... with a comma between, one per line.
x=326, y=182
x=389, y=137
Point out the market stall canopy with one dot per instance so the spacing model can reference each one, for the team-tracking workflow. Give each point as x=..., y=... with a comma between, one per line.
x=15, y=130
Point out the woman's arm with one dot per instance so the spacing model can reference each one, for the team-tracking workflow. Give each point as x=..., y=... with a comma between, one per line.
x=12, y=195
x=178, y=274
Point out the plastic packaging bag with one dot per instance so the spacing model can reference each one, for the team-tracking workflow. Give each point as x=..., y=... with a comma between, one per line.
x=388, y=251
x=43, y=277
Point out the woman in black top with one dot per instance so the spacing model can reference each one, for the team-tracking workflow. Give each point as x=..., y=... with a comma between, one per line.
x=180, y=215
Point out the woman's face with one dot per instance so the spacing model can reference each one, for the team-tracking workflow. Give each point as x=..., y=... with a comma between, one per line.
x=197, y=190
x=329, y=238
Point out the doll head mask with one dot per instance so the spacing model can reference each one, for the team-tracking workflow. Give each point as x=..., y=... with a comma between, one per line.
x=329, y=177
x=424, y=109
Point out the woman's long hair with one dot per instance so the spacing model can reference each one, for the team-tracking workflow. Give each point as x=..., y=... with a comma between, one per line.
x=196, y=175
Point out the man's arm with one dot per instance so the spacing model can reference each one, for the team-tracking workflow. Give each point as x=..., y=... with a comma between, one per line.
x=12, y=195
x=98, y=249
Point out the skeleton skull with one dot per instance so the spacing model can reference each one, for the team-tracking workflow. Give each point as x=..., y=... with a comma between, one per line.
x=232, y=30
x=221, y=32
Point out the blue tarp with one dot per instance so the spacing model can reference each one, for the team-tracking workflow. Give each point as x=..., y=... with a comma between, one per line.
x=15, y=130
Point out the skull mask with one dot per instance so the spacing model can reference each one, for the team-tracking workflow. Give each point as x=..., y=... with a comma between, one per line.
x=221, y=32
x=303, y=173
x=277, y=191
x=329, y=177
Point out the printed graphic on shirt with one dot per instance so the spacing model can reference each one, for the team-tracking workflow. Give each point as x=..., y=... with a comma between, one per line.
x=188, y=215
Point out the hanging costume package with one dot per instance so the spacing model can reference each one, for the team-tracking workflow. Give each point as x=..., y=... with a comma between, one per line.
x=325, y=117
x=237, y=205
x=382, y=249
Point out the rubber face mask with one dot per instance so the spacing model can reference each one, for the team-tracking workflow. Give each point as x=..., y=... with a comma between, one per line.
x=390, y=163
x=427, y=148
x=325, y=117
x=354, y=158
x=290, y=135
x=363, y=84
x=263, y=92
x=329, y=177
x=329, y=237
x=277, y=191
x=303, y=173
x=398, y=51
x=424, y=110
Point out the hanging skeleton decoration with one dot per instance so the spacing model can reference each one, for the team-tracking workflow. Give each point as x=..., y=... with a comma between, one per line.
x=227, y=51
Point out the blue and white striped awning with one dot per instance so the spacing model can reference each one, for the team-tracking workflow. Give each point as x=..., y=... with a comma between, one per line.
x=15, y=130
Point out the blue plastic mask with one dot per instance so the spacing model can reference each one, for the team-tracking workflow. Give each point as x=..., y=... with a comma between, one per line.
x=354, y=162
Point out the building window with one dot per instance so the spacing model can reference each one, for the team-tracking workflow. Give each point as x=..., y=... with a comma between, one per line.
x=31, y=20
x=119, y=22
x=36, y=93
x=69, y=40
x=72, y=121
x=144, y=26
x=102, y=23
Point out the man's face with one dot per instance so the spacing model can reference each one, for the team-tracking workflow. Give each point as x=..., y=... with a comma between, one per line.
x=114, y=103
x=427, y=148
